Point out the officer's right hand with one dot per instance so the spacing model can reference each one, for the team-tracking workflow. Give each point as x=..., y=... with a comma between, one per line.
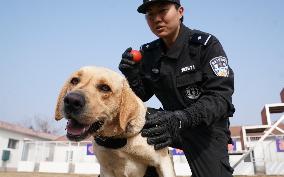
x=127, y=66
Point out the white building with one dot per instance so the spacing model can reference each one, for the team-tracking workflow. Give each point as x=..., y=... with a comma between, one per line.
x=257, y=149
x=63, y=156
x=38, y=152
x=263, y=155
x=12, y=138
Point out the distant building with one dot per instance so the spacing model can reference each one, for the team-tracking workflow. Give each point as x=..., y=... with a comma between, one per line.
x=12, y=138
x=32, y=151
x=256, y=149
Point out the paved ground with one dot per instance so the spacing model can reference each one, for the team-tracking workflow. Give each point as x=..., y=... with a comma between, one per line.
x=16, y=174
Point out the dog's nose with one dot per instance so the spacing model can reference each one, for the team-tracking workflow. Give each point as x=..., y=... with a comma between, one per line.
x=74, y=102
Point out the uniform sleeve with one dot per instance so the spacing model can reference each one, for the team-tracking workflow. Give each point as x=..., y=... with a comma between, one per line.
x=141, y=85
x=215, y=102
x=141, y=88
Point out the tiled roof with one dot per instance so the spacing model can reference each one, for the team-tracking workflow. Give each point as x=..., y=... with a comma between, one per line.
x=64, y=138
x=22, y=130
x=235, y=131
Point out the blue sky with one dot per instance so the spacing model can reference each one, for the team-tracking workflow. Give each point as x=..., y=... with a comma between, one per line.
x=43, y=41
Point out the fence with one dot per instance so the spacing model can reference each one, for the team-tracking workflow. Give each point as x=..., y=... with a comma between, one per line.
x=78, y=157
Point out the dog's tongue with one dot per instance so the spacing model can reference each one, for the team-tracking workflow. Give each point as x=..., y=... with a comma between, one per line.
x=74, y=128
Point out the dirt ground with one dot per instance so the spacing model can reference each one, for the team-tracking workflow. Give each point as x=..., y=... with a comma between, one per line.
x=16, y=174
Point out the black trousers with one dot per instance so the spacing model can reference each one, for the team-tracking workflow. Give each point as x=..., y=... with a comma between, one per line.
x=206, y=151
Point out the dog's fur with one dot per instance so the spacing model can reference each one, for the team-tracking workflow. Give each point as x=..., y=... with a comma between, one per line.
x=123, y=116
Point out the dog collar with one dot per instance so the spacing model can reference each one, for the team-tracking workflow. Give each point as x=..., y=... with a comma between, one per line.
x=112, y=143
x=116, y=143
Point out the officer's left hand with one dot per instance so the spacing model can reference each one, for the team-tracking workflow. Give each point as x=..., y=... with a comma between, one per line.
x=162, y=128
x=127, y=66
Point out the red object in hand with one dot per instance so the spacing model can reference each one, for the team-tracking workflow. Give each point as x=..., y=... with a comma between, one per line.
x=137, y=56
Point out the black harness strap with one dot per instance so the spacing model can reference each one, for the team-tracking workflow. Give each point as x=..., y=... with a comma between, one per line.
x=112, y=143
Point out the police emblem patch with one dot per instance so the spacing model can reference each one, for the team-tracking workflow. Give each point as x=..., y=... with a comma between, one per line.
x=192, y=92
x=220, y=66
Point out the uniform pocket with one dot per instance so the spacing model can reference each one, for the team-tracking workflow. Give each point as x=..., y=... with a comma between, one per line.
x=188, y=79
x=188, y=86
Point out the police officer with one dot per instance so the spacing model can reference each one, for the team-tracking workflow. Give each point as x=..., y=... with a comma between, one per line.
x=188, y=72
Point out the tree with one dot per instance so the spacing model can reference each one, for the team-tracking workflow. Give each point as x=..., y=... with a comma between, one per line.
x=43, y=124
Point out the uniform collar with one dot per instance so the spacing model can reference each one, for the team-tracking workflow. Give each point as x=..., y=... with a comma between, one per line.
x=175, y=50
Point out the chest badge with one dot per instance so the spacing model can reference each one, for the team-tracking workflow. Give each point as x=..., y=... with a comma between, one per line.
x=188, y=68
x=220, y=66
x=192, y=92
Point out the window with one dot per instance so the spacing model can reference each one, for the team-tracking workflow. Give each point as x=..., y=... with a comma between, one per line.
x=13, y=144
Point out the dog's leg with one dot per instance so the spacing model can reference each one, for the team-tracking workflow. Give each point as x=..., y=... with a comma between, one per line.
x=166, y=168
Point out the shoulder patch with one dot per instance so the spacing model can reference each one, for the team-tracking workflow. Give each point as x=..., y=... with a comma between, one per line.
x=200, y=38
x=220, y=66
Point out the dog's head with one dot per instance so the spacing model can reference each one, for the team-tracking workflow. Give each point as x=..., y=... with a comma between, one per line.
x=96, y=100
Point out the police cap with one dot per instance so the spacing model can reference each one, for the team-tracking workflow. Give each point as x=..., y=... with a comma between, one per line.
x=142, y=8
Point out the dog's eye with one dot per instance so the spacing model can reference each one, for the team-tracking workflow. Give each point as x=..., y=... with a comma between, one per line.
x=104, y=88
x=75, y=81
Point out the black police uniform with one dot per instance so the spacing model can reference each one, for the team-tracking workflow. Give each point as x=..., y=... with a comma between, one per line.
x=193, y=75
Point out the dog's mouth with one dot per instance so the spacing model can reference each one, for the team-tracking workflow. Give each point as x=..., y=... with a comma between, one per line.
x=77, y=131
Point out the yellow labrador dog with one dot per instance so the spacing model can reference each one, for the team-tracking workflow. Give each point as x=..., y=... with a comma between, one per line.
x=98, y=102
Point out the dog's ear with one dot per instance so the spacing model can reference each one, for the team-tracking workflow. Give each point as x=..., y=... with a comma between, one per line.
x=128, y=107
x=58, y=111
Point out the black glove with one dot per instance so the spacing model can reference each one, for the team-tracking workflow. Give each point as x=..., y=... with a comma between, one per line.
x=163, y=127
x=127, y=66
